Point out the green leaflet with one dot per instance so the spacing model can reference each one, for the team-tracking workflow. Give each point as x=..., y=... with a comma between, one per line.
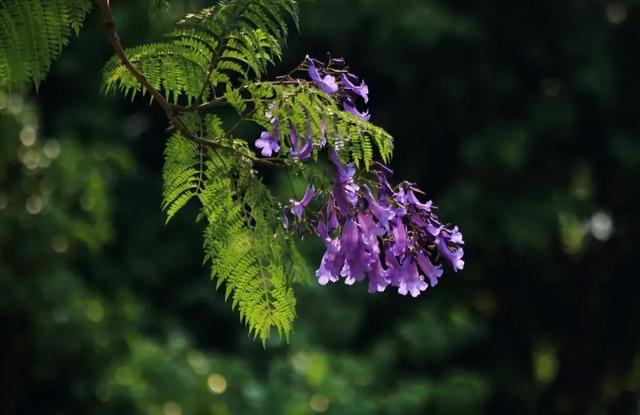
x=183, y=174
x=33, y=34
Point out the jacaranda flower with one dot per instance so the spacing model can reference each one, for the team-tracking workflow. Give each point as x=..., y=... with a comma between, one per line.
x=353, y=110
x=268, y=143
x=301, y=149
x=297, y=208
x=345, y=189
x=324, y=81
x=361, y=90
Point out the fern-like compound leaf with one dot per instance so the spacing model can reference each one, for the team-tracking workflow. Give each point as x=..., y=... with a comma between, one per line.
x=183, y=173
x=248, y=252
x=230, y=42
x=33, y=34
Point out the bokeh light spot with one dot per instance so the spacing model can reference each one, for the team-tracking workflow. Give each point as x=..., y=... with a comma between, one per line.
x=545, y=364
x=51, y=149
x=319, y=403
x=33, y=205
x=59, y=244
x=30, y=159
x=87, y=202
x=95, y=312
x=601, y=226
x=102, y=392
x=15, y=104
x=28, y=136
x=172, y=408
x=616, y=13
x=198, y=362
x=124, y=376
x=217, y=383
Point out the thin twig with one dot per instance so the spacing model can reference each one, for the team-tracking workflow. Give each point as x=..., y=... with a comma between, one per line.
x=114, y=39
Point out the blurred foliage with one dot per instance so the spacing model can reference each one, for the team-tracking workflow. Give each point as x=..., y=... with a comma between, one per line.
x=520, y=119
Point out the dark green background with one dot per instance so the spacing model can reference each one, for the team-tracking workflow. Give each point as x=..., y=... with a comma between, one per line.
x=520, y=119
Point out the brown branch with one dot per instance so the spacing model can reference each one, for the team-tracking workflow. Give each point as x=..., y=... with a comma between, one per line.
x=170, y=110
x=114, y=39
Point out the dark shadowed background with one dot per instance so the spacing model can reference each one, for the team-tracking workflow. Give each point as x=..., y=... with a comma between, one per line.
x=520, y=120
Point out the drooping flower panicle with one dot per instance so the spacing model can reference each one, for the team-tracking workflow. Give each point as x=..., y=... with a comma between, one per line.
x=394, y=229
x=373, y=231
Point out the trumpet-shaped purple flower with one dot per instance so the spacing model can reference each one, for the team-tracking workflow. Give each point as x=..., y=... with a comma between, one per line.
x=323, y=134
x=453, y=256
x=384, y=214
x=378, y=276
x=400, y=238
x=348, y=82
x=347, y=89
x=332, y=260
x=411, y=282
x=301, y=149
x=431, y=271
x=297, y=207
x=268, y=143
x=353, y=110
x=325, y=82
x=345, y=190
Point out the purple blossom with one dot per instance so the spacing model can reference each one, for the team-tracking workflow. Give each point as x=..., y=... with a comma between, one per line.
x=346, y=91
x=332, y=260
x=323, y=133
x=296, y=208
x=378, y=276
x=384, y=214
x=411, y=282
x=453, y=256
x=268, y=143
x=301, y=149
x=432, y=272
x=348, y=82
x=353, y=110
x=345, y=190
x=413, y=200
x=325, y=82
x=299, y=206
x=400, y=238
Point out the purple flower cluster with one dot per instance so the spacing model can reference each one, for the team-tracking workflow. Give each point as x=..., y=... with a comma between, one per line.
x=386, y=235
x=336, y=81
x=392, y=239
x=348, y=88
